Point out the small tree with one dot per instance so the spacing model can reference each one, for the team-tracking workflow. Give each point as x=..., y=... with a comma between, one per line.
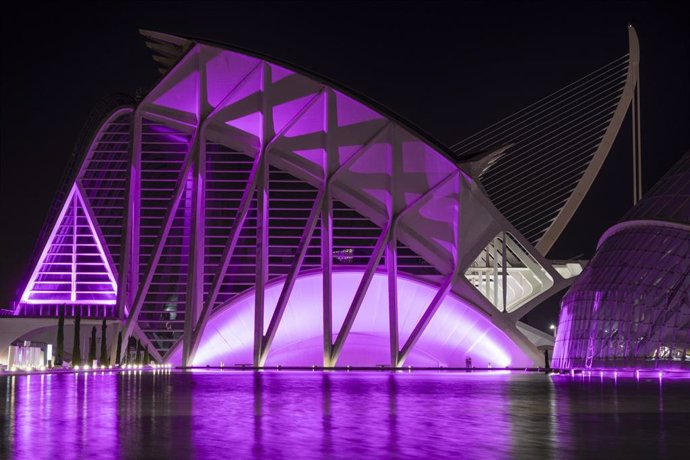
x=147, y=356
x=92, y=346
x=60, y=346
x=105, y=359
x=137, y=359
x=76, y=350
x=119, y=348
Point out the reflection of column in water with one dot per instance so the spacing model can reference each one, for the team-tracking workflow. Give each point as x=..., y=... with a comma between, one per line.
x=102, y=425
x=560, y=407
x=392, y=415
x=156, y=415
x=533, y=426
x=8, y=395
x=326, y=415
x=127, y=424
x=176, y=406
x=257, y=448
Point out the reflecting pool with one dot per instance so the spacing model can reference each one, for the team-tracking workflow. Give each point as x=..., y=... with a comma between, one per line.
x=238, y=414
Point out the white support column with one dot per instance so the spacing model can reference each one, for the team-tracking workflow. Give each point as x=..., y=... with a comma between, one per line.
x=261, y=258
x=396, y=206
x=361, y=292
x=327, y=270
x=239, y=220
x=195, y=280
x=330, y=165
x=392, y=269
x=504, y=277
x=129, y=259
x=487, y=265
x=158, y=250
x=128, y=275
x=229, y=250
x=262, y=209
x=495, y=273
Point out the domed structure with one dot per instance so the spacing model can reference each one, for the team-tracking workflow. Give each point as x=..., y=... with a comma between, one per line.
x=631, y=306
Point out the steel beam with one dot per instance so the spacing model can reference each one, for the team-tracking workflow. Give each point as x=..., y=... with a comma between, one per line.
x=291, y=278
x=327, y=274
x=427, y=316
x=504, y=276
x=361, y=292
x=262, y=229
x=195, y=279
x=392, y=269
x=155, y=256
x=237, y=226
x=261, y=258
x=129, y=250
x=330, y=165
x=229, y=250
x=571, y=205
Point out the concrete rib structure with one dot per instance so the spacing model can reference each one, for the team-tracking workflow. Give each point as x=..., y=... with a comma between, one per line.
x=247, y=211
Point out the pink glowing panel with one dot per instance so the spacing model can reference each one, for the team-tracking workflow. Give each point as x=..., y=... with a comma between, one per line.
x=250, y=124
x=457, y=330
x=243, y=101
x=315, y=156
x=345, y=152
x=278, y=73
x=309, y=122
x=351, y=112
x=73, y=267
x=436, y=217
x=224, y=72
x=422, y=167
x=285, y=112
x=183, y=96
x=371, y=171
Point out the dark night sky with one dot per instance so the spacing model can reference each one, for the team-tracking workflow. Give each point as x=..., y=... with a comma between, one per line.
x=451, y=68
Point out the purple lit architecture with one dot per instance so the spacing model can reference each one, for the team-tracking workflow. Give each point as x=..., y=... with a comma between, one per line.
x=248, y=212
x=630, y=308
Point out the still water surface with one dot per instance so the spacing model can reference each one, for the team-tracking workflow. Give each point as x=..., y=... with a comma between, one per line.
x=342, y=415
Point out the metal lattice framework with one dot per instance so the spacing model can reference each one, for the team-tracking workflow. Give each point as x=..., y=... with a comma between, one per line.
x=256, y=213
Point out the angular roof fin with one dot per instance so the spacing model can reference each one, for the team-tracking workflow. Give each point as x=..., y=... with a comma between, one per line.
x=167, y=49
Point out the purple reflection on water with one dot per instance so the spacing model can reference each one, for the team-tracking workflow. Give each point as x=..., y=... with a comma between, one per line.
x=340, y=415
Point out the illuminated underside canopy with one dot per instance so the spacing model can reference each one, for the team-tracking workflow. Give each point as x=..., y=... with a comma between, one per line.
x=456, y=332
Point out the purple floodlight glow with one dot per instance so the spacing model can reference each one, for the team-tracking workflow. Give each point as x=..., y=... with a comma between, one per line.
x=73, y=268
x=225, y=70
x=456, y=331
x=182, y=96
x=249, y=123
x=285, y=112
